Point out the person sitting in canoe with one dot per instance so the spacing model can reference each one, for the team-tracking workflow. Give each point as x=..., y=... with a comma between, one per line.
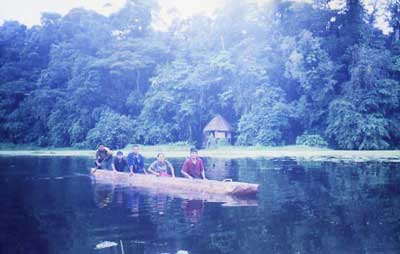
x=119, y=163
x=136, y=161
x=103, y=157
x=160, y=166
x=193, y=166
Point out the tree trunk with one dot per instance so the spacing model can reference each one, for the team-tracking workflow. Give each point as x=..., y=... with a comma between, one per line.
x=137, y=80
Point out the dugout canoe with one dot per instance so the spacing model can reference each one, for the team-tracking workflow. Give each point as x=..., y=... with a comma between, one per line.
x=225, y=200
x=175, y=185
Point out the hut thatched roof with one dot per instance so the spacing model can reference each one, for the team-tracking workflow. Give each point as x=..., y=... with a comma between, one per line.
x=218, y=123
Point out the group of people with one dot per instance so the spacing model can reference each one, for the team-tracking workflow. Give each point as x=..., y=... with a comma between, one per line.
x=193, y=166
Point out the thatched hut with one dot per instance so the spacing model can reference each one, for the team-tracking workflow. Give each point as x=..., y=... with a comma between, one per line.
x=218, y=130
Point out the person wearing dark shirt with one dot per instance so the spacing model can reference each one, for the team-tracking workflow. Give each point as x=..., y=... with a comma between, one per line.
x=193, y=166
x=160, y=167
x=119, y=163
x=103, y=157
x=136, y=161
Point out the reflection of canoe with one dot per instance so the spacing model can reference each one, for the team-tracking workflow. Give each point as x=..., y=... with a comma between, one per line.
x=180, y=187
x=227, y=200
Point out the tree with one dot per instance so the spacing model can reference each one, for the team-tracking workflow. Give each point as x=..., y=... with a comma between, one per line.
x=277, y=70
x=313, y=73
x=112, y=129
x=361, y=120
x=267, y=121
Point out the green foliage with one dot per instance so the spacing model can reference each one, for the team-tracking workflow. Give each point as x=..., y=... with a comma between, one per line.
x=266, y=122
x=353, y=130
x=275, y=70
x=312, y=72
x=112, y=129
x=311, y=140
x=362, y=119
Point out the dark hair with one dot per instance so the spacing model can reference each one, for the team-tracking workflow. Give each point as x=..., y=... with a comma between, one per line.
x=158, y=155
x=193, y=150
x=119, y=153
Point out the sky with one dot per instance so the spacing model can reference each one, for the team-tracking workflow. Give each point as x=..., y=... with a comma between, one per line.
x=28, y=12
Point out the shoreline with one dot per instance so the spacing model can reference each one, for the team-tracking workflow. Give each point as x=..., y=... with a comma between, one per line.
x=294, y=152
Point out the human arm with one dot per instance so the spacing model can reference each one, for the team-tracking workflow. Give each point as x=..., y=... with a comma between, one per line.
x=125, y=165
x=141, y=163
x=150, y=169
x=186, y=174
x=97, y=160
x=113, y=166
x=203, y=171
x=108, y=152
x=171, y=168
x=130, y=163
x=203, y=174
x=185, y=169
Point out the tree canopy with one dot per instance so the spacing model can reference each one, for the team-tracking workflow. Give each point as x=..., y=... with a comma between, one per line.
x=278, y=71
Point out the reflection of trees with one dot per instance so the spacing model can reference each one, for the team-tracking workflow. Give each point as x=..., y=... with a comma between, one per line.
x=306, y=207
x=123, y=218
x=21, y=229
x=310, y=209
x=225, y=241
x=219, y=169
x=47, y=212
x=314, y=210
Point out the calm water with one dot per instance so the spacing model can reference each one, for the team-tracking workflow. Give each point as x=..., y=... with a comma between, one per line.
x=50, y=205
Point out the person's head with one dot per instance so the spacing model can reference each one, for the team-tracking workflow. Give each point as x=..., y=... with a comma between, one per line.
x=193, y=153
x=120, y=155
x=101, y=147
x=160, y=157
x=135, y=149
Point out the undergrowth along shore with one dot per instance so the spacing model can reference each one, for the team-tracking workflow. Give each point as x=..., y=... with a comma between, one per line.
x=226, y=152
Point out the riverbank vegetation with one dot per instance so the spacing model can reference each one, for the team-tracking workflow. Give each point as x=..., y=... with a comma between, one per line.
x=224, y=152
x=278, y=71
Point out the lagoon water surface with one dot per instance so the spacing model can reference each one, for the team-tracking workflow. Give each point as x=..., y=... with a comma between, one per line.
x=51, y=205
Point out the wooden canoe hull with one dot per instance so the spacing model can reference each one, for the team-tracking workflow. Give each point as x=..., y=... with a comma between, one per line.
x=175, y=185
x=225, y=200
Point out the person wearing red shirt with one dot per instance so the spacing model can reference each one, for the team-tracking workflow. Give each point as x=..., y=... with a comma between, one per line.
x=193, y=166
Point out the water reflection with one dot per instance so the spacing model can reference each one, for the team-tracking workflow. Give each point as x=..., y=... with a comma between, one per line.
x=160, y=191
x=132, y=199
x=103, y=196
x=303, y=207
x=133, y=203
x=193, y=209
x=219, y=169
